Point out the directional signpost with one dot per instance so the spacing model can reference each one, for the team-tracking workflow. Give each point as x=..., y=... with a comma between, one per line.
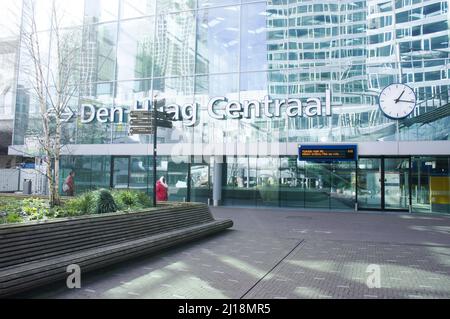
x=147, y=122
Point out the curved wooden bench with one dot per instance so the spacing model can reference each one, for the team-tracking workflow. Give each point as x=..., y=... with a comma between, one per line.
x=36, y=254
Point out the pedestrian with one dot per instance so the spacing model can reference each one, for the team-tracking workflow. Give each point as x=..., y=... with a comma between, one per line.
x=162, y=190
x=69, y=184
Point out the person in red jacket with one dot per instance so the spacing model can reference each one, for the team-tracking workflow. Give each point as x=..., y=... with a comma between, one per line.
x=162, y=190
x=69, y=184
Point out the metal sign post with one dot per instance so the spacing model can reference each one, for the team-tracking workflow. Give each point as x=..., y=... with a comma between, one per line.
x=147, y=122
x=155, y=137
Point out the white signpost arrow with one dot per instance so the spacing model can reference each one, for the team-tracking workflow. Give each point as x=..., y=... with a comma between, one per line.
x=66, y=116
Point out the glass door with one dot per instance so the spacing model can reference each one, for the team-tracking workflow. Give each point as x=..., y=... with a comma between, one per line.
x=369, y=183
x=120, y=172
x=201, y=189
x=383, y=183
x=396, y=183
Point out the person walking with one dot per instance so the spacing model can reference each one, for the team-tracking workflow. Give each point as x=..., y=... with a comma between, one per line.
x=69, y=184
x=162, y=190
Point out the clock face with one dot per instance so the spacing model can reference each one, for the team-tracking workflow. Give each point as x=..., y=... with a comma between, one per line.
x=397, y=101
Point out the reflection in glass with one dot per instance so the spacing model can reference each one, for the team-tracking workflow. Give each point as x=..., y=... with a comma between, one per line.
x=140, y=166
x=165, y=6
x=174, y=48
x=69, y=13
x=254, y=37
x=137, y=8
x=239, y=182
x=396, y=183
x=430, y=184
x=101, y=10
x=177, y=177
x=120, y=172
x=317, y=185
x=369, y=183
x=212, y=3
x=218, y=40
x=201, y=188
x=267, y=182
x=135, y=49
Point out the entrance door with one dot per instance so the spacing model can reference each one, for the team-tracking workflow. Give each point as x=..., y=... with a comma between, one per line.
x=201, y=189
x=396, y=183
x=120, y=172
x=369, y=183
x=383, y=183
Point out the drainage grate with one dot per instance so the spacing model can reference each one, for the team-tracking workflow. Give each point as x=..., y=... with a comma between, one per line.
x=299, y=217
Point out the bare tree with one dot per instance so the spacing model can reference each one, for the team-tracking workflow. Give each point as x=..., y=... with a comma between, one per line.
x=54, y=80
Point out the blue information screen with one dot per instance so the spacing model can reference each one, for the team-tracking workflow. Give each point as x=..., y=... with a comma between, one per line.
x=328, y=153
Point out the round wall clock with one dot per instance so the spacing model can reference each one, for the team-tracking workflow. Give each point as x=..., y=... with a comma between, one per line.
x=397, y=101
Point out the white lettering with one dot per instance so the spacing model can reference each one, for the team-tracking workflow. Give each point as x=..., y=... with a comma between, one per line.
x=294, y=110
x=102, y=115
x=314, y=107
x=218, y=108
x=247, y=108
x=91, y=112
x=266, y=103
x=189, y=113
x=233, y=110
x=328, y=103
x=211, y=105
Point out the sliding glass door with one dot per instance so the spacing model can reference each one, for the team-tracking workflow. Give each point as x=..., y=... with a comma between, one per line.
x=384, y=183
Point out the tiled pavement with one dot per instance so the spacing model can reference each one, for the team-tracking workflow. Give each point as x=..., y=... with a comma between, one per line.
x=283, y=253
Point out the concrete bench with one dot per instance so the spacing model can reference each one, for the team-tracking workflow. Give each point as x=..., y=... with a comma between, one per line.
x=36, y=254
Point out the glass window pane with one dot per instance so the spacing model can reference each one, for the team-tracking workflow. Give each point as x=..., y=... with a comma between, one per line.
x=140, y=166
x=164, y=6
x=69, y=13
x=254, y=37
x=201, y=188
x=174, y=49
x=268, y=181
x=239, y=182
x=101, y=10
x=137, y=8
x=430, y=184
x=128, y=93
x=218, y=40
x=135, y=49
x=99, y=52
x=213, y=3
x=177, y=179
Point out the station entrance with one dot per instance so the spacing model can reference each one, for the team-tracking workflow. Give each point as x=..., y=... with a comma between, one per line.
x=384, y=183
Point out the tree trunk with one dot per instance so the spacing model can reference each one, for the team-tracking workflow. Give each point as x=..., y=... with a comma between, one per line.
x=57, y=199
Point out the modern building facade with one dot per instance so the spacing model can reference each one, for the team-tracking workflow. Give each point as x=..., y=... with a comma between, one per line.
x=250, y=82
x=9, y=48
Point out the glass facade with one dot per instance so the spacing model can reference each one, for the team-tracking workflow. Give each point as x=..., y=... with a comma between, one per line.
x=190, y=51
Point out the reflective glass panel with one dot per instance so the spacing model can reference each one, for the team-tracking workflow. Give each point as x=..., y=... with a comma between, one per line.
x=218, y=40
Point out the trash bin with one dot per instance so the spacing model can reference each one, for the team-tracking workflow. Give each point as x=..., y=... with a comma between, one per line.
x=27, y=186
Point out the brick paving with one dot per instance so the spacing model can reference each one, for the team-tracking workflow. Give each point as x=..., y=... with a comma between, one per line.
x=286, y=253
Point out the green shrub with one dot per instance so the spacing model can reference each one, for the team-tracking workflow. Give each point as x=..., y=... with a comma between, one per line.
x=126, y=198
x=36, y=209
x=131, y=199
x=144, y=200
x=105, y=202
x=80, y=205
x=13, y=218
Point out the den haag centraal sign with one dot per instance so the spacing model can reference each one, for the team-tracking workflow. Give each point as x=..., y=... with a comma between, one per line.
x=218, y=108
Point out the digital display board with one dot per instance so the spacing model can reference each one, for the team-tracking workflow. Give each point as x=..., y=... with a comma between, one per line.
x=328, y=153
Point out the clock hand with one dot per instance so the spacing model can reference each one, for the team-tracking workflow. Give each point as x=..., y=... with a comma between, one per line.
x=397, y=100
x=405, y=101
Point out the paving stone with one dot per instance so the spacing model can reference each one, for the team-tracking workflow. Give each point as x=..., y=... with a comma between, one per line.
x=257, y=259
